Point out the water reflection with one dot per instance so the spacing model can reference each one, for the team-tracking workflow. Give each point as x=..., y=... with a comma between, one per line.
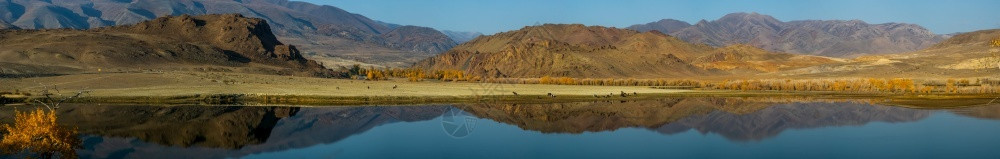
x=735, y=119
x=222, y=132
x=769, y=122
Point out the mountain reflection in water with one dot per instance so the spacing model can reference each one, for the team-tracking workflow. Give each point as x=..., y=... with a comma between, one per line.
x=237, y=131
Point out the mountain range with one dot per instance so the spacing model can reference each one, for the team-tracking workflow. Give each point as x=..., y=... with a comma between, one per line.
x=216, y=42
x=833, y=38
x=325, y=33
x=965, y=55
x=313, y=37
x=575, y=50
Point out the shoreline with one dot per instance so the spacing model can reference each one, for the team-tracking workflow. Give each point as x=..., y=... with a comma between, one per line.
x=214, y=88
x=325, y=100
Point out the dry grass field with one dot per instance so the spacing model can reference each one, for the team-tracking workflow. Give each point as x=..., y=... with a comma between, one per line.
x=200, y=83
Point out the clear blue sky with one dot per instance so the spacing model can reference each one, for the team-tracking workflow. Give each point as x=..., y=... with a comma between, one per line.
x=491, y=16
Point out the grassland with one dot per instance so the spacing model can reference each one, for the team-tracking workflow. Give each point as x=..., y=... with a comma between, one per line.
x=254, y=89
x=186, y=87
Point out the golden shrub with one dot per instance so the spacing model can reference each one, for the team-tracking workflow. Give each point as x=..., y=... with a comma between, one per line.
x=38, y=134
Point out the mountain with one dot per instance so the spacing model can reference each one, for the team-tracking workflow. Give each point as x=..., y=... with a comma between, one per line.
x=461, y=36
x=965, y=55
x=182, y=42
x=665, y=25
x=741, y=57
x=4, y=25
x=575, y=50
x=571, y=50
x=299, y=23
x=418, y=39
x=835, y=38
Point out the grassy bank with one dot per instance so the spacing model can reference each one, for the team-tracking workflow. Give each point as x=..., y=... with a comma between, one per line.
x=915, y=101
x=250, y=89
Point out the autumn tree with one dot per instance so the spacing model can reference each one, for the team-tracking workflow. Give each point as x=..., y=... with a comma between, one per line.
x=546, y=80
x=950, y=86
x=37, y=135
x=414, y=75
x=375, y=74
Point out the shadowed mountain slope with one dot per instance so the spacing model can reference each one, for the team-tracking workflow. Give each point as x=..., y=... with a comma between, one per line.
x=182, y=42
x=298, y=23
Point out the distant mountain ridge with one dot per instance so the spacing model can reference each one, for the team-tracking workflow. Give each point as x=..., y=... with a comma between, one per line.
x=835, y=38
x=304, y=24
x=4, y=25
x=461, y=36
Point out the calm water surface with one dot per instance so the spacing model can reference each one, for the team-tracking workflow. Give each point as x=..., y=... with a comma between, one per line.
x=666, y=128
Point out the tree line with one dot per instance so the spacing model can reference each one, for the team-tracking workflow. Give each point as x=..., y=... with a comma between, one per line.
x=859, y=85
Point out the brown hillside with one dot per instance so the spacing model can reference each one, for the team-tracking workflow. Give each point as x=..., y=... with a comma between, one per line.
x=964, y=55
x=572, y=50
x=599, y=52
x=231, y=42
x=745, y=57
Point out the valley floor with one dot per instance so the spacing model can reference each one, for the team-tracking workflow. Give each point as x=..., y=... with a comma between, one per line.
x=183, y=87
x=212, y=88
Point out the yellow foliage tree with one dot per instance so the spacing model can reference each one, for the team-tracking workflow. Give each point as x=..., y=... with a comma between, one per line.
x=38, y=134
x=546, y=80
x=950, y=86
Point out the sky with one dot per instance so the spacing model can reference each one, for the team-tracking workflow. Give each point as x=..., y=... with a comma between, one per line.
x=492, y=16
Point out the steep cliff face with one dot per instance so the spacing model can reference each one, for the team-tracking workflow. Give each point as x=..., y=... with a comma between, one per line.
x=163, y=43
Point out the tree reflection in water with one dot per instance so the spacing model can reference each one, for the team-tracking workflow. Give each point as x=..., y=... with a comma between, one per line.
x=36, y=134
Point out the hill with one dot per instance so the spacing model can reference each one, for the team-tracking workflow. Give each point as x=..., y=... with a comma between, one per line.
x=312, y=27
x=746, y=58
x=210, y=42
x=835, y=38
x=966, y=55
x=571, y=50
x=574, y=50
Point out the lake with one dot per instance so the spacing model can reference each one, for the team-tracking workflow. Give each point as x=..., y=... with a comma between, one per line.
x=663, y=128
